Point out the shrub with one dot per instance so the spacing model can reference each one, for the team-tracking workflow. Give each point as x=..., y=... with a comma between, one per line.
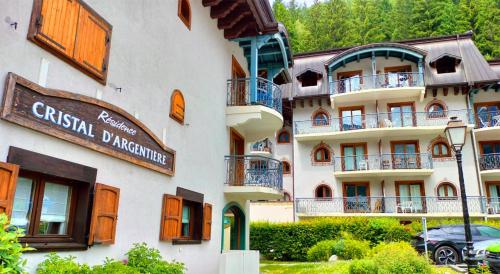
x=321, y=251
x=111, y=266
x=149, y=260
x=399, y=258
x=352, y=249
x=54, y=264
x=364, y=266
x=10, y=248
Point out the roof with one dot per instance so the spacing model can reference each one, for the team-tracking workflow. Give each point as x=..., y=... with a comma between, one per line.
x=472, y=69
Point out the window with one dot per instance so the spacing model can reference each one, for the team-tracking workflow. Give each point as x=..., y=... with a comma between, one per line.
x=322, y=155
x=184, y=12
x=323, y=191
x=185, y=219
x=283, y=137
x=309, y=78
x=356, y=197
x=405, y=155
x=177, y=106
x=286, y=167
x=436, y=110
x=321, y=118
x=399, y=76
x=74, y=32
x=489, y=231
x=352, y=118
x=349, y=81
x=440, y=149
x=446, y=190
x=354, y=157
x=410, y=194
x=445, y=64
x=402, y=114
x=487, y=114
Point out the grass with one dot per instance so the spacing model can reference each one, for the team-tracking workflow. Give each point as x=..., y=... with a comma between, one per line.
x=340, y=267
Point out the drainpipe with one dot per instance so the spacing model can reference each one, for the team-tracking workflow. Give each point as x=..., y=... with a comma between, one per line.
x=293, y=163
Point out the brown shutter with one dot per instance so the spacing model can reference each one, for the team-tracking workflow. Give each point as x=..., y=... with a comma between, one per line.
x=207, y=221
x=177, y=106
x=57, y=24
x=91, y=42
x=8, y=179
x=104, y=214
x=171, y=217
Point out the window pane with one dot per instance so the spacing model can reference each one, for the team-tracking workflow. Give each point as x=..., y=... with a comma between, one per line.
x=23, y=202
x=489, y=231
x=441, y=191
x=55, y=209
x=436, y=149
x=444, y=149
x=185, y=220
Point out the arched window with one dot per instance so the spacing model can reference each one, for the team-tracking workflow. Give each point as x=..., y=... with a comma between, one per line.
x=321, y=118
x=323, y=191
x=283, y=137
x=286, y=167
x=446, y=190
x=436, y=110
x=322, y=155
x=184, y=12
x=440, y=149
x=177, y=106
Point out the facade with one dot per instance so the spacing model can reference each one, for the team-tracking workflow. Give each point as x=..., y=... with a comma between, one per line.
x=367, y=124
x=133, y=122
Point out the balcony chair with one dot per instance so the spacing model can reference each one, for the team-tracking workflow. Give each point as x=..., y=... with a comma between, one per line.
x=388, y=123
x=405, y=206
x=362, y=165
x=492, y=207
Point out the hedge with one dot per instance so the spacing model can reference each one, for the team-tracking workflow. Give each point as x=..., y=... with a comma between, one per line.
x=291, y=241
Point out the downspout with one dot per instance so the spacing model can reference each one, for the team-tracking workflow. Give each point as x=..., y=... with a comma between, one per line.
x=293, y=162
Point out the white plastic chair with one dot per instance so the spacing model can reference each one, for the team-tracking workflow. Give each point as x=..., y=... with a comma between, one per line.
x=388, y=123
x=362, y=165
x=405, y=206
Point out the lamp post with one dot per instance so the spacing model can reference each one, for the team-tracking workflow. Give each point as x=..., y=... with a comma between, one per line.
x=456, y=132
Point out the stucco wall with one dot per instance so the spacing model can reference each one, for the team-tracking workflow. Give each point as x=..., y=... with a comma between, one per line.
x=152, y=53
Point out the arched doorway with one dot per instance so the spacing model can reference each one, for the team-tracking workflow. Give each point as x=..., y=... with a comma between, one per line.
x=233, y=228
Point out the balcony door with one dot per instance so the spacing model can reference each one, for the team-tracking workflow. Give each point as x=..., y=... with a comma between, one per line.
x=493, y=192
x=238, y=84
x=354, y=157
x=410, y=197
x=356, y=197
x=405, y=155
x=399, y=76
x=349, y=81
x=490, y=155
x=402, y=114
x=352, y=118
x=237, y=150
x=487, y=114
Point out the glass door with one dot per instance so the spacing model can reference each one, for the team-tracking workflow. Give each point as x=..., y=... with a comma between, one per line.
x=493, y=191
x=351, y=118
x=356, y=197
x=402, y=115
x=405, y=155
x=354, y=157
x=410, y=197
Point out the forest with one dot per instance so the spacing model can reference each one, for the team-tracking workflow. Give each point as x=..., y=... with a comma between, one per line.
x=339, y=23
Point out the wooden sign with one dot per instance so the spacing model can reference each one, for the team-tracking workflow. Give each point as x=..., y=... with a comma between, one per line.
x=85, y=121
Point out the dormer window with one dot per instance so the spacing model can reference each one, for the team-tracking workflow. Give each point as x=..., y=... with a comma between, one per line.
x=309, y=78
x=445, y=63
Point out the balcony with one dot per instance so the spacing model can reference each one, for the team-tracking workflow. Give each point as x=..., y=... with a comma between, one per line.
x=419, y=206
x=262, y=148
x=253, y=177
x=254, y=112
x=489, y=165
x=376, y=87
x=396, y=164
x=377, y=125
x=487, y=125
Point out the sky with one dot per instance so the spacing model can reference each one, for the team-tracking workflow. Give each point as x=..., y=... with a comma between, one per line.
x=308, y=2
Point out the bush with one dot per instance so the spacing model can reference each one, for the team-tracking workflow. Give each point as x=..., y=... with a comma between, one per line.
x=364, y=266
x=321, y=251
x=10, y=248
x=141, y=259
x=399, y=258
x=352, y=249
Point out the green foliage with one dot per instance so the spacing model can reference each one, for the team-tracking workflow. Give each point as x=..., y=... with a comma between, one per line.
x=291, y=241
x=399, y=257
x=10, y=248
x=338, y=23
x=141, y=259
x=321, y=251
x=352, y=249
x=364, y=266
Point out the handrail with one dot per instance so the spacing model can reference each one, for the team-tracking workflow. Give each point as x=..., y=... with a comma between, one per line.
x=250, y=170
x=385, y=80
x=268, y=93
x=388, y=161
x=489, y=161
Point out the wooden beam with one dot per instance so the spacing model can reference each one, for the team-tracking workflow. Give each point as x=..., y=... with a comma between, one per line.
x=223, y=9
x=302, y=103
x=238, y=29
x=210, y=3
x=445, y=91
x=320, y=101
x=434, y=92
x=465, y=90
x=456, y=90
x=311, y=103
x=234, y=18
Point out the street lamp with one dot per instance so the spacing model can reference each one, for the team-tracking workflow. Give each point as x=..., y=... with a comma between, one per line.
x=456, y=131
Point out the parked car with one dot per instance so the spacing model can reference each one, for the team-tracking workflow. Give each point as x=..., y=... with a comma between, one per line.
x=480, y=249
x=446, y=242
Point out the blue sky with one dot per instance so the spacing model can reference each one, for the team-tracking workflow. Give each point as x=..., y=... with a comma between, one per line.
x=308, y=2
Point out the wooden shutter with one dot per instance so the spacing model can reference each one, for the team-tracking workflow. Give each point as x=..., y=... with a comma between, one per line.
x=207, y=221
x=56, y=24
x=171, y=218
x=177, y=106
x=8, y=179
x=104, y=214
x=92, y=43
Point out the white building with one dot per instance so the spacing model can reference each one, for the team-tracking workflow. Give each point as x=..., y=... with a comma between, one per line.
x=117, y=117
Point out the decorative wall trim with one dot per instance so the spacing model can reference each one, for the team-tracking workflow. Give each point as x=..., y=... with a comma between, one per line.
x=436, y=140
x=322, y=145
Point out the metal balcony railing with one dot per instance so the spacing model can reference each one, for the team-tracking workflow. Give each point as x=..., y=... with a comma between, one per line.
x=485, y=119
x=489, y=161
x=246, y=170
x=386, y=80
x=395, y=204
x=393, y=161
x=262, y=146
x=267, y=93
x=381, y=120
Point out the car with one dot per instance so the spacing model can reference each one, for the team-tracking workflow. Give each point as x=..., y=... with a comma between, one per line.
x=446, y=242
x=479, y=250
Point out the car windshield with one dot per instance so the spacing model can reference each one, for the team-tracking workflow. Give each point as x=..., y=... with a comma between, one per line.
x=489, y=231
